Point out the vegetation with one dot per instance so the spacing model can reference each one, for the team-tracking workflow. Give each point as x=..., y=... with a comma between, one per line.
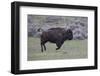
x=78, y=25
x=74, y=49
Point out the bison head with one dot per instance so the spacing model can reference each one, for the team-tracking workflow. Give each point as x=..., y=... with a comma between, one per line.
x=68, y=34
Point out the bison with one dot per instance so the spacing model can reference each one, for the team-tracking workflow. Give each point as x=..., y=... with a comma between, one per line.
x=55, y=35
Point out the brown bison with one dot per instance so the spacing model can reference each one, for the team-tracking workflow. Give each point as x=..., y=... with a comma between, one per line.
x=55, y=35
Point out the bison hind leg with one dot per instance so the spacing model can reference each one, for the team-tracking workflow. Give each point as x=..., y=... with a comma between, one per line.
x=44, y=47
x=41, y=47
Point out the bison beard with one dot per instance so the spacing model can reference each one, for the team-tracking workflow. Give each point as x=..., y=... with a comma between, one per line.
x=55, y=35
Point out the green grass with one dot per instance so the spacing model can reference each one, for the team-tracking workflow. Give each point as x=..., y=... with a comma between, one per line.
x=73, y=49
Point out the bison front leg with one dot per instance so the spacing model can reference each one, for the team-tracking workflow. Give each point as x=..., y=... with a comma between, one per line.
x=59, y=44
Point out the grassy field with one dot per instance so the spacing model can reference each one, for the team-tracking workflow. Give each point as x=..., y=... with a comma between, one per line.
x=74, y=49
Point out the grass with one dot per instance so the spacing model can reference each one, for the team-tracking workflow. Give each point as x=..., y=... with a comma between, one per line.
x=73, y=49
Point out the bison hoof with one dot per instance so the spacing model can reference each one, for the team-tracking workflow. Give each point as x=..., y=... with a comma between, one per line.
x=57, y=48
